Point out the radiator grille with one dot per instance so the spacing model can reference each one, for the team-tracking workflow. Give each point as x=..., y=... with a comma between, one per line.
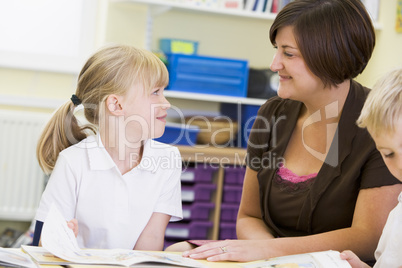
x=21, y=179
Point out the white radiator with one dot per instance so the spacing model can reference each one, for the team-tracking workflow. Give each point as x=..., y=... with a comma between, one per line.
x=21, y=179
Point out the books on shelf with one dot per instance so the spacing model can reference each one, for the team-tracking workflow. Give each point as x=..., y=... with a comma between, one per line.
x=232, y=4
x=265, y=6
x=249, y=5
x=259, y=5
x=274, y=6
x=213, y=4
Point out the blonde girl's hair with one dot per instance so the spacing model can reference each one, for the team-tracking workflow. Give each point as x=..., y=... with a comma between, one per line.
x=383, y=106
x=112, y=70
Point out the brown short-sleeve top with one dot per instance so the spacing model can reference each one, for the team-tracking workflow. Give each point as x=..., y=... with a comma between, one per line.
x=328, y=201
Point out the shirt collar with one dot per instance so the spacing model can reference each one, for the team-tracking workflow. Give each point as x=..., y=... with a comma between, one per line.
x=150, y=159
x=99, y=158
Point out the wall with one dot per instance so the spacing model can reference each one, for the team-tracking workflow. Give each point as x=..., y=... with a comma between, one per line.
x=223, y=36
x=388, y=51
x=219, y=35
x=247, y=38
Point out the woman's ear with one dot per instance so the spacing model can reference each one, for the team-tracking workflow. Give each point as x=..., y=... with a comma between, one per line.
x=113, y=104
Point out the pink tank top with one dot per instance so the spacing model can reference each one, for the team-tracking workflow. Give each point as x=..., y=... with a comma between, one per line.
x=288, y=175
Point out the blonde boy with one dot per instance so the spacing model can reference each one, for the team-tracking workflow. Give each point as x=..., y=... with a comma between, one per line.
x=382, y=116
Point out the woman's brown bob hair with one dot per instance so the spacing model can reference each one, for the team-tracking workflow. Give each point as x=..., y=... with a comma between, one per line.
x=335, y=37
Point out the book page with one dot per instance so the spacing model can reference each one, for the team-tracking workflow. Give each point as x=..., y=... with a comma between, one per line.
x=43, y=256
x=115, y=257
x=324, y=259
x=12, y=257
x=330, y=259
x=58, y=239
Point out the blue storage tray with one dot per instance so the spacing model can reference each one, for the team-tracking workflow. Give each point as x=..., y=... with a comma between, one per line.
x=208, y=75
x=170, y=45
x=178, y=134
x=248, y=114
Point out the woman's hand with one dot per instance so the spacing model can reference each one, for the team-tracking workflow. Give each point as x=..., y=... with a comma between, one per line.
x=231, y=250
x=353, y=260
x=73, y=225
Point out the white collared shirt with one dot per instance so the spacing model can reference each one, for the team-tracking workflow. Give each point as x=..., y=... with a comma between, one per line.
x=389, y=250
x=113, y=209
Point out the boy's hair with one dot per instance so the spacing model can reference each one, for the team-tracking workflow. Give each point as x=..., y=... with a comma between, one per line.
x=383, y=106
x=335, y=37
x=111, y=70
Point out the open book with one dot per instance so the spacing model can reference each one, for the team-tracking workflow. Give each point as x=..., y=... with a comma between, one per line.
x=324, y=259
x=116, y=257
x=14, y=257
x=59, y=246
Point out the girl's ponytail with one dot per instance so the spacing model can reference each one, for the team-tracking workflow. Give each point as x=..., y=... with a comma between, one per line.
x=60, y=132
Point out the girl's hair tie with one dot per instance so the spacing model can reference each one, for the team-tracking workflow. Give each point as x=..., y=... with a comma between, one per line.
x=75, y=100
